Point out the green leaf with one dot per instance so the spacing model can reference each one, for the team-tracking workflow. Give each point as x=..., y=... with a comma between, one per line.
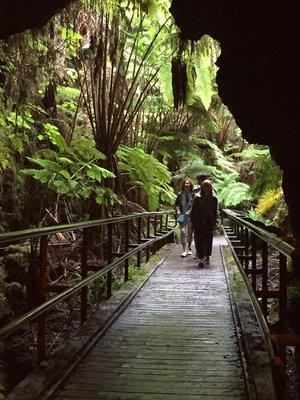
x=98, y=173
x=72, y=183
x=204, y=80
x=60, y=186
x=46, y=164
x=40, y=175
x=52, y=132
x=65, y=160
x=65, y=174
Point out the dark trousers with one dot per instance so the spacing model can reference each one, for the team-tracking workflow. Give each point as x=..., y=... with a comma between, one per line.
x=203, y=238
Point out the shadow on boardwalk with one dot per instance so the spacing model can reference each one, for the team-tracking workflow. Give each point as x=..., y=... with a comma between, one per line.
x=176, y=340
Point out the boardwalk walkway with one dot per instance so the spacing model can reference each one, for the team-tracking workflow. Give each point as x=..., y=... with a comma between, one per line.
x=176, y=340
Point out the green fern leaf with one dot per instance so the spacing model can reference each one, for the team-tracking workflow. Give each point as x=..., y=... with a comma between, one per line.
x=40, y=175
x=46, y=164
x=204, y=80
x=269, y=199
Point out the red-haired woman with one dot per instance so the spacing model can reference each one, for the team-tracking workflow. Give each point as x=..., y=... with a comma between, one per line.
x=204, y=214
x=183, y=204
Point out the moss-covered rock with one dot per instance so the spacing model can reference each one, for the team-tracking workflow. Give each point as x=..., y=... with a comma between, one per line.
x=3, y=305
x=16, y=297
x=2, y=272
x=16, y=263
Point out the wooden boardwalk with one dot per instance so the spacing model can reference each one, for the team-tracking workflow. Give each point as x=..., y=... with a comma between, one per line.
x=176, y=340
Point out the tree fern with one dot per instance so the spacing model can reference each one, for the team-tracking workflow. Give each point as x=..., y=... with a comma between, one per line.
x=71, y=170
x=234, y=194
x=147, y=173
x=165, y=81
x=266, y=173
x=204, y=78
x=252, y=154
x=220, y=160
x=192, y=168
x=269, y=199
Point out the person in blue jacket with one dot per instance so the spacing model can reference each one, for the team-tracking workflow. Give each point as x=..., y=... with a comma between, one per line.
x=183, y=204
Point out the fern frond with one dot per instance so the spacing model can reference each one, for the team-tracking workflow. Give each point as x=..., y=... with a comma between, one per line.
x=234, y=194
x=165, y=81
x=252, y=154
x=269, y=199
x=220, y=159
x=204, y=80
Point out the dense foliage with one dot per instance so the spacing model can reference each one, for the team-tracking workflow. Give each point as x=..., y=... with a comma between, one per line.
x=87, y=114
x=104, y=112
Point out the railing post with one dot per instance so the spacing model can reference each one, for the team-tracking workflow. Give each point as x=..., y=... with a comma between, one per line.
x=242, y=235
x=155, y=234
x=126, y=249
x=283, y=312
x=253, y=260
x=166, y=221
x=283, y=291
x=84, y=274
x=161, y=242
x=170, y=237
x=109, y=260
x=239, y=231
x=41, y=339
x=236, y=229
x=148, y=235
x=264, y=278
x=139, y=236
x=246, y=253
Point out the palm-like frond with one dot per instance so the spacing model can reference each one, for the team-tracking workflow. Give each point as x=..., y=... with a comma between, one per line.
x=204, y=79
x=147, y=173
x=192, y=168
x=234, y=194
x=269, y=199
x=219, y=159
x=252, y=154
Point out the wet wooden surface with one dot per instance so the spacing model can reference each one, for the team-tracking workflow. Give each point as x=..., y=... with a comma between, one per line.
x=176, y=340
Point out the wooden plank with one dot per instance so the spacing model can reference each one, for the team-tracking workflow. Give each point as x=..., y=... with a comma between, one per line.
x=176, y=340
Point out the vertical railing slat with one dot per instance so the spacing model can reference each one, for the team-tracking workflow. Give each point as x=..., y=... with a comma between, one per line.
x=109, y=260
x=148, y=235
x=126, y=249
x=84, y=273
x=42, y=321
x=139, y=237
x=264, y=279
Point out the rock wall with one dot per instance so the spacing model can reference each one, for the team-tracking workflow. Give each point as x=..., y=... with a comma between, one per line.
x=258, y=77
x=18, y=15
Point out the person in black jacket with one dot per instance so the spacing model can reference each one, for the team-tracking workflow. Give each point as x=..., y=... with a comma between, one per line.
x=204, y=215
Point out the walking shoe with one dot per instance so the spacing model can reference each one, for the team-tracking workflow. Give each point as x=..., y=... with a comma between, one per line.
x=189, y=252
x=201, y=262
x=183, y=254
x=206, y=260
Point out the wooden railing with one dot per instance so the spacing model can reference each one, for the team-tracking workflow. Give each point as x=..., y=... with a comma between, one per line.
x=252, y=247
x=151, y=230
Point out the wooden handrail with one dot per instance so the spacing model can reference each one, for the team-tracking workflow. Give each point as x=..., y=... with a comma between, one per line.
x=49, y=230
x=47, y=305
x=39, y=312
x=242, y=245
x=275, y=241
